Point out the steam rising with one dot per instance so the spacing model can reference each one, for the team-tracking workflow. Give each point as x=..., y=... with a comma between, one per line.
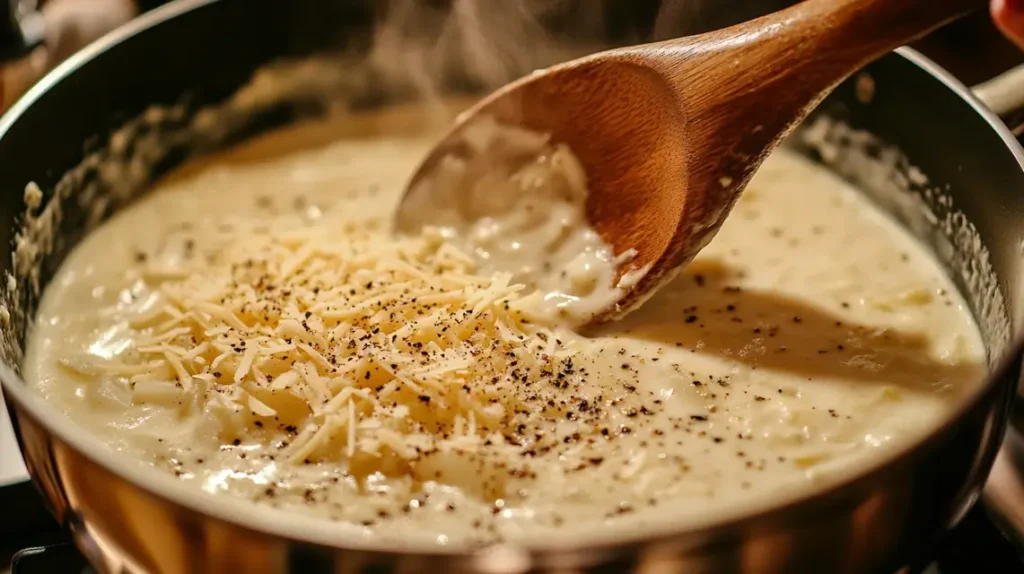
x=429, y=44
x=484, y=43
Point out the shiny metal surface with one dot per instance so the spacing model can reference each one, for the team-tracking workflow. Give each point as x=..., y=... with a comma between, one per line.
x=1004, y=492
x=131, y=519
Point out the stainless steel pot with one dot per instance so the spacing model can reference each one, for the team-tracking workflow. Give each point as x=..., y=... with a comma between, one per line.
x=900, y=118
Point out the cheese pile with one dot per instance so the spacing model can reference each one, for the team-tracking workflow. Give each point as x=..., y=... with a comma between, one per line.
x=364, y=348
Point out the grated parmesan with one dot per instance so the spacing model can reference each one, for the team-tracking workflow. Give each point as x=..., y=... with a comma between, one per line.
x=391, y=349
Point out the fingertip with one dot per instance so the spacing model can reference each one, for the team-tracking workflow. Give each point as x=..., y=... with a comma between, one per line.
x=1007, y=6
x=1009, y=18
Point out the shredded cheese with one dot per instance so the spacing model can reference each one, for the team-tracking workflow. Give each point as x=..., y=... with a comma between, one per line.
x=378, y=350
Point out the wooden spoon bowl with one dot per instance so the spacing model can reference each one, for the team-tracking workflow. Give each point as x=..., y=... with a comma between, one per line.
x=670, y=133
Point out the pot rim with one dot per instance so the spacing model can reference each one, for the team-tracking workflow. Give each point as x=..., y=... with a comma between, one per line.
x=310, y=529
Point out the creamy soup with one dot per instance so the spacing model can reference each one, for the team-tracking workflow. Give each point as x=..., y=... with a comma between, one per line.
x=516, y=203
x=254, y=328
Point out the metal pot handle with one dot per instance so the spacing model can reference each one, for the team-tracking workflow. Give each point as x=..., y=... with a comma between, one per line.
x=1004, y=95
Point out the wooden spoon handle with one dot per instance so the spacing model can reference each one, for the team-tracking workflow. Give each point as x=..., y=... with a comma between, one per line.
x=827, y=39
x=854, y=32
x=739, y=91
x=764, y=76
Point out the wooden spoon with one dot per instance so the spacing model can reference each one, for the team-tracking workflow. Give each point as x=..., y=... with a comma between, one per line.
x=669, y=133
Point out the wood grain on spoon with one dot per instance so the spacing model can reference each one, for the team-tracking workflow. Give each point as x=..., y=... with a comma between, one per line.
x=670, y=133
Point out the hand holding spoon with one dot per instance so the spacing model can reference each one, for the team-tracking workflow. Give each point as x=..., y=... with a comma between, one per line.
x=669, y=133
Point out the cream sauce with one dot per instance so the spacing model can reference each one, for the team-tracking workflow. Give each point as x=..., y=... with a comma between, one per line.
x=516, y=202
x=811, y=339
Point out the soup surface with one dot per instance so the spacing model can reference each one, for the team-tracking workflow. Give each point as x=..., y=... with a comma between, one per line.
x=254, y=328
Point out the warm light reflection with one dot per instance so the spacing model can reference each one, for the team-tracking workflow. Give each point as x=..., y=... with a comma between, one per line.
x=111, y=342
x=219, y=481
